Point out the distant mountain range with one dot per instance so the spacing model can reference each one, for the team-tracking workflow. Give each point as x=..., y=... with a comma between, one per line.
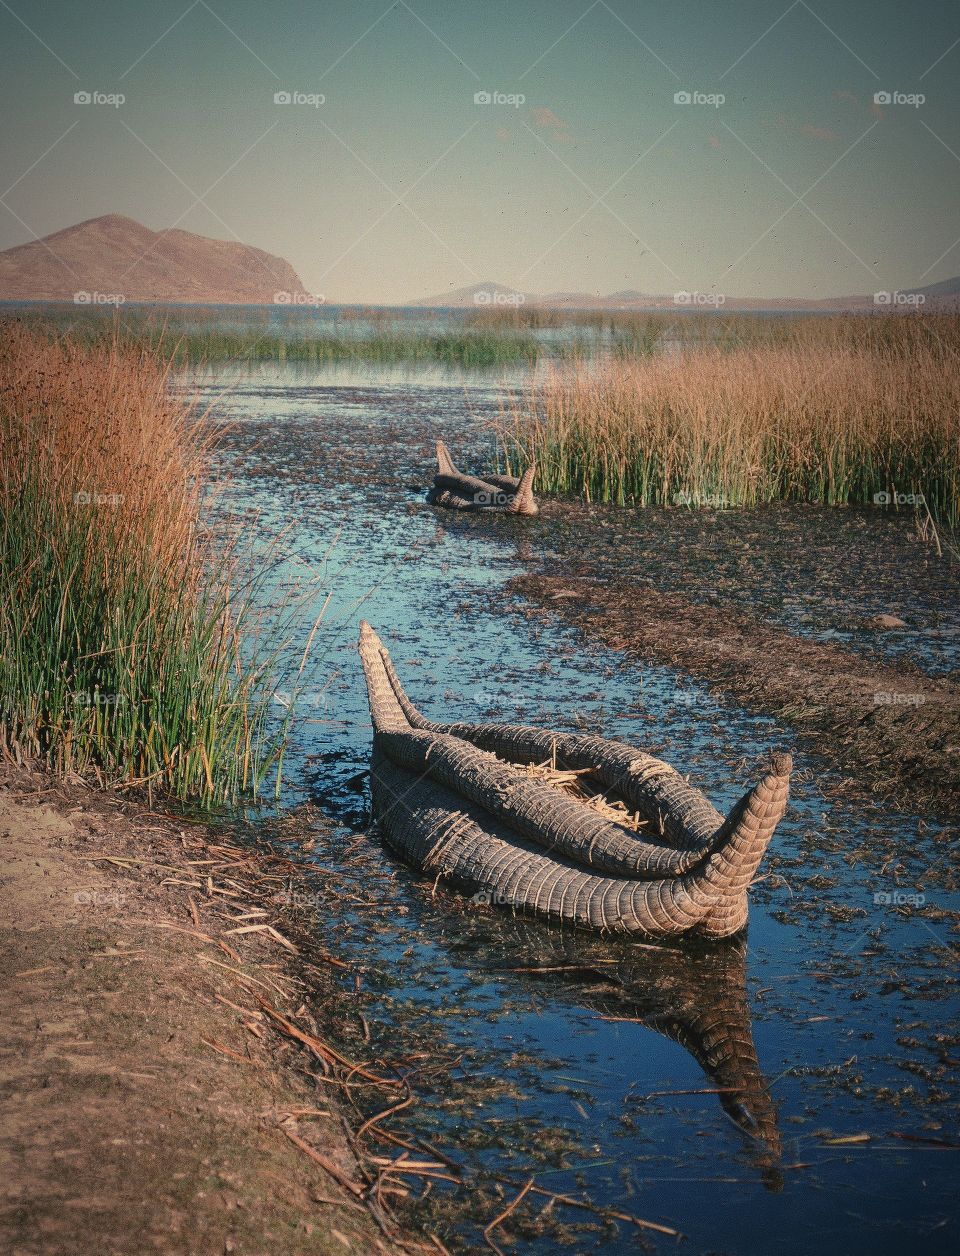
x=104, y=258
x=938, y=296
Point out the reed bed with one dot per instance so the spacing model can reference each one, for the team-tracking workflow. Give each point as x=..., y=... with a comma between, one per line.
x=199, y=335
x=126, y=652
x=862, y=411
x=468, y=348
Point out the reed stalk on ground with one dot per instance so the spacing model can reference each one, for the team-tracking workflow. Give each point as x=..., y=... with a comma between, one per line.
x=867, y=413
x=127, y=651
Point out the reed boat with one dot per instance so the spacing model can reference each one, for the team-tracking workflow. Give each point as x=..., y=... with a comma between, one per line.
x=480, y=806
x=458, y=491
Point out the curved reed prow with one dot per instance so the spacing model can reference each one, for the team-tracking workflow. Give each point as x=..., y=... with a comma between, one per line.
x=523, y=502
x=745, y=836
x=444, y=461
x=385, y=711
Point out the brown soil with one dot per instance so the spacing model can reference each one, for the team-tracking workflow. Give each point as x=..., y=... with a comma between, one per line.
x=896, y=731
x=153, y=1102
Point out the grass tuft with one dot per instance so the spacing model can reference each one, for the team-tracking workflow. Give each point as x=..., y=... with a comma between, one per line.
x=126, y=653
x=836, y=413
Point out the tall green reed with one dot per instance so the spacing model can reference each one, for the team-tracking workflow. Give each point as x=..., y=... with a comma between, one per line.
x=130, y=650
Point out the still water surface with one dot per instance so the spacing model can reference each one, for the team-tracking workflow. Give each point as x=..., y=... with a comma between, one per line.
x=833, y=1019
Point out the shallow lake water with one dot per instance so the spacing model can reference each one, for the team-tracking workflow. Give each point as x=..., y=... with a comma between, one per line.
x=836, y=1123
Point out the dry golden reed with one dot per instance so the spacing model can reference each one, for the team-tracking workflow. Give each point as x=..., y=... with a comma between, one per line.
x=837, y=415
x=121, y=646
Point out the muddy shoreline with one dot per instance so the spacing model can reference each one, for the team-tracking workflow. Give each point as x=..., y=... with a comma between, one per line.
x=880, y=704
x=896, y=732
x=161, y=1068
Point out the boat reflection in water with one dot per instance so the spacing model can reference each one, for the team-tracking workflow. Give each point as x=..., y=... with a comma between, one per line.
x=696, y=997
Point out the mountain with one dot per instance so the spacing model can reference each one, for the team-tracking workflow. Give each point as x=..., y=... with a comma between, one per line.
x=947, y=292
x=938, y=296
x=114, y=255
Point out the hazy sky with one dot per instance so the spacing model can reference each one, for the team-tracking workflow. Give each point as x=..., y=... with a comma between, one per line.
x=399, y=185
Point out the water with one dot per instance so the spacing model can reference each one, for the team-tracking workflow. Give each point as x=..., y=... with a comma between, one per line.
x=557, y=334
x=571, y=1074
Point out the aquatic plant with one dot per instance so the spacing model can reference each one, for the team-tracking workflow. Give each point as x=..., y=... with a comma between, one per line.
x=128, y=647
x=866, y=411
x=190, y=335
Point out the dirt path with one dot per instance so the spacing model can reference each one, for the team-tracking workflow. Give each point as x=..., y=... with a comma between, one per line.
x=893, y=730
x=148, y=1103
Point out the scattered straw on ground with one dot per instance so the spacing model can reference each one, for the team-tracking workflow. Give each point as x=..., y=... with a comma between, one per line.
x=156, y=1047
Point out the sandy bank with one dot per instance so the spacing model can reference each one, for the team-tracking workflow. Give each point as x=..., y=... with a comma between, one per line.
x=152, y=1099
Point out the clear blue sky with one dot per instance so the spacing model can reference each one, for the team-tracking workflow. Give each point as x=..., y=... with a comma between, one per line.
x=399, y=185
